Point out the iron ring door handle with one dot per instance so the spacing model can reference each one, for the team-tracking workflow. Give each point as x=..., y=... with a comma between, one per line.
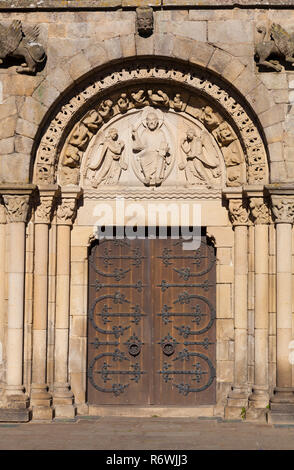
x=168, y=348
x=134, y=349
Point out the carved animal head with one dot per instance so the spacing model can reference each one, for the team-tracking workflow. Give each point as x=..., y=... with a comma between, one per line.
x=144, y=20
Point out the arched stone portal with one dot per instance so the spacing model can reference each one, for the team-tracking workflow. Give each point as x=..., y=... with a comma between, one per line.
x=149, y=132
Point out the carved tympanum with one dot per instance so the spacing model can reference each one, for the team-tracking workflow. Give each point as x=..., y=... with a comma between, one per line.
x=151, y=149
x=279, y=42
x=199, y=164
x=107, y=163
x=19, y=41
x=144, y=21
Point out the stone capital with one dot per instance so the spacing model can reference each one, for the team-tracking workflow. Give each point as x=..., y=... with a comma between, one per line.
x=283, y=209
x=259, y=210
x=45, y=204
x=16, y=199
x=238, y=212
x=67, y=207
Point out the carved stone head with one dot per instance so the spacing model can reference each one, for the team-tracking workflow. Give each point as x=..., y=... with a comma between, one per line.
x=144, y=23
x=152, y=121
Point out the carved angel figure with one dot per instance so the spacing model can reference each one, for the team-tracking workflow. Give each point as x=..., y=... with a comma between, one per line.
x=275, y=41
x=108, y=162
x=199, y=165
x=18, y=42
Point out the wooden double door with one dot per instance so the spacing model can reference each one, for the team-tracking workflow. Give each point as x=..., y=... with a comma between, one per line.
x=151, y=323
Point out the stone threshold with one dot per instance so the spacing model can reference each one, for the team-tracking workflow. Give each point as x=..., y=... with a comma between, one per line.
x=151, y=411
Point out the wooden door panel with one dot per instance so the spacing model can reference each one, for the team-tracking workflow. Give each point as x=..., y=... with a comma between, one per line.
x=151, y=323
x=119, y=323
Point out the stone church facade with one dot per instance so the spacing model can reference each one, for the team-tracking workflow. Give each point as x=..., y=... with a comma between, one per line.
x=165, y=103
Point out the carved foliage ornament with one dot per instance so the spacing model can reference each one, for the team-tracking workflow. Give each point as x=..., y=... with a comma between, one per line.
x=283, y=209
x=21, y=41
x=66, y=211
x=238, y=212
x=48, y=152
x=259, y=210
x=44, y=210
x=17, y=207
x=274, y=40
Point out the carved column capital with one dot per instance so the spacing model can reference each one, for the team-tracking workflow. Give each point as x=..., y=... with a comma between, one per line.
x=283, y=209
x=238, y=212
x=45, y=204
x=259, y=210
x=67, y=207
x=17, y=207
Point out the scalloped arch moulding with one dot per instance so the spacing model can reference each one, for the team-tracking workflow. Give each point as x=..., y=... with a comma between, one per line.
x=171, y=89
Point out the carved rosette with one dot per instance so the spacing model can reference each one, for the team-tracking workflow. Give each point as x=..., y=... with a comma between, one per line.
x=43, y=211
x=17, y=207
x=238, y=212
x=283, y=209
x=66, y=211
x=259, y=210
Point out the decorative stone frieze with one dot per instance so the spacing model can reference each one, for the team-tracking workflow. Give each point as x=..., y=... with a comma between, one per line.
x=17, y=207
x=238, y=212
x=80, y=134
x=20, y=41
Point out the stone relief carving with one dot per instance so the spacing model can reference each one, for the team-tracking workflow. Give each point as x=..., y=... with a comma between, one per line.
x=17, y=207
x=144, y=21
x=232, y=154
x=283, y=209
x=44, y=210
x=199, y=163
x=151, y=149
x=137, y=98
x=275, y=41
x=238, y=212
x=159, y=98
x=107, y=164
x=259, y=210
x=20, y=41
x=2, y=213
x=66, y=211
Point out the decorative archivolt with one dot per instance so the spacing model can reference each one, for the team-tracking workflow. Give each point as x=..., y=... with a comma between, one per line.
x=166, y=89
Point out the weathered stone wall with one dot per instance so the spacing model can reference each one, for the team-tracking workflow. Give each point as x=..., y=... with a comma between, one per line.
x=78, y=41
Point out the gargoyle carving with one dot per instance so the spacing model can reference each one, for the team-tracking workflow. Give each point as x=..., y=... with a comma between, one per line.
x=16, y=41
x=275, y=41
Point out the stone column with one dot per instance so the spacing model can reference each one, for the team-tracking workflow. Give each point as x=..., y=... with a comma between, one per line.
x=40, y=398
x=238, y=397
x=2, y=279
x=63, y=397
x=16, y=200
x=259, y=398
x=282, y=401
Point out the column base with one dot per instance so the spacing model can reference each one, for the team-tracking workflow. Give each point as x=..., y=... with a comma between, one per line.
x=63, y=401
x=259, y=398
x=237, y=401
x=16, y=398
x=10, y=415
x=282, y=406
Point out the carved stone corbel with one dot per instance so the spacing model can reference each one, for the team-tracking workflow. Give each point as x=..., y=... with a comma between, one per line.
x=144, y=21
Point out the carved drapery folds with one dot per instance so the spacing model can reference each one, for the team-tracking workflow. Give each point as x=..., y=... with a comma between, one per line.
x=162, y=97
x=17, y=207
